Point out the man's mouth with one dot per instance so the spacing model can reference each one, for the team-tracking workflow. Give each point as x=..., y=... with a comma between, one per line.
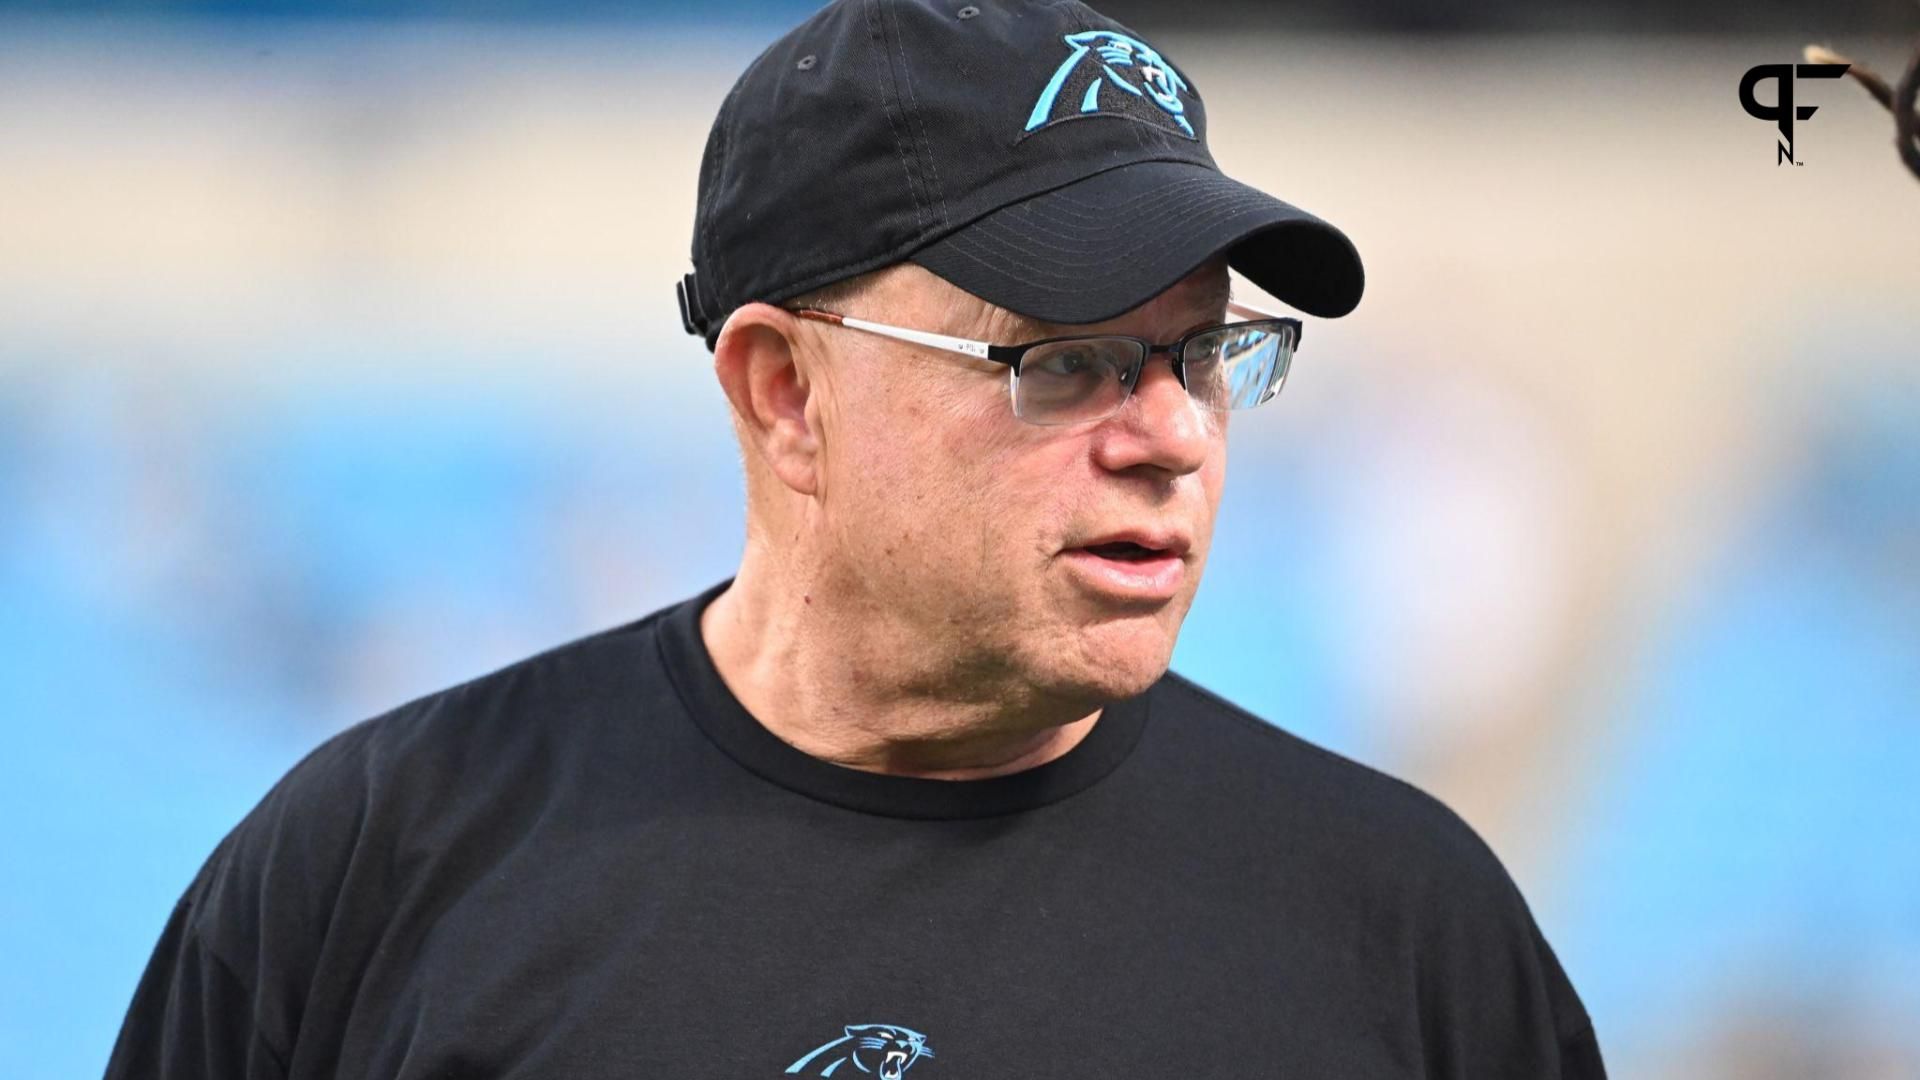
x=1129, y=570
x=1125, y=550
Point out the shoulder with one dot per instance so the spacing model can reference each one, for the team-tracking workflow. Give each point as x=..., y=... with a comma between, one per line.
x=363, y=800
x=1385, y=851
x=1327, y=806
x=483, y=725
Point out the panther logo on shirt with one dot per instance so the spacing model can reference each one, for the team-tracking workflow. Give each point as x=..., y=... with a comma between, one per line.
x=885, y=1049
x=1100, y=57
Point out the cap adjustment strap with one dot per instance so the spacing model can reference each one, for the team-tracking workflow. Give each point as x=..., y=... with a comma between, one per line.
x=693, y=315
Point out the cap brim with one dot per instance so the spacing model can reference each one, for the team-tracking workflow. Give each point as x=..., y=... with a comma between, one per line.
x=1102, y=246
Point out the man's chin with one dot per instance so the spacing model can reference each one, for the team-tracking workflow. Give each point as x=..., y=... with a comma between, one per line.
x=1119, y=662
x=1122, y=686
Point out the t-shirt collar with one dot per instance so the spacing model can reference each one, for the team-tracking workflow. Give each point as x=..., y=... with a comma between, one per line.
x=718, y=713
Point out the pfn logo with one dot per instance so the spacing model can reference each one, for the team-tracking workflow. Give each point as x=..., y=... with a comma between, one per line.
x=1782, y=111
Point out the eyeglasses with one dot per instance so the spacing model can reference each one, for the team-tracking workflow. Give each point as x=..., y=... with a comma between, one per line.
x=1079, y=379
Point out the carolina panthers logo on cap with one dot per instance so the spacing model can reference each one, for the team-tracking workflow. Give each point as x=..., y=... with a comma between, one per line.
x=885, y=1049
x=1098, y=58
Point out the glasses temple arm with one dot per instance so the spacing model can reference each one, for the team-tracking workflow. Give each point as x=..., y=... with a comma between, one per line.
x=964, y=346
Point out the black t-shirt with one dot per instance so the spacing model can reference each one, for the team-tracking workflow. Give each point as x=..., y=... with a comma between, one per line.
x=595, y=864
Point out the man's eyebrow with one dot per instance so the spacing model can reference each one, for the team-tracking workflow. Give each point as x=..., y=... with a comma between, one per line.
x=1028, y=328
x=1018, y=328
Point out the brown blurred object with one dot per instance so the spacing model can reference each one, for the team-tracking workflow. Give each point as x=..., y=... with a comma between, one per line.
x=1906, y=122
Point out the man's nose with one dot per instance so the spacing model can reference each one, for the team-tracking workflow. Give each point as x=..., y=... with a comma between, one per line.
x=1164, y=424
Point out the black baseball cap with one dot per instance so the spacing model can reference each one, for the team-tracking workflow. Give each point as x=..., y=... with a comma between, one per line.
x=1032, y=152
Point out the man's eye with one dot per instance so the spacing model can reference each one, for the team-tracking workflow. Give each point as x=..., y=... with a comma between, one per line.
x=1070, y=362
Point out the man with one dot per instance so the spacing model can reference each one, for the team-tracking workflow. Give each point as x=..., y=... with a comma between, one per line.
x=914, y=790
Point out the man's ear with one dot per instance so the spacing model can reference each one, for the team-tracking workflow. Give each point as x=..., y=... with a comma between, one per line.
x=757, y=360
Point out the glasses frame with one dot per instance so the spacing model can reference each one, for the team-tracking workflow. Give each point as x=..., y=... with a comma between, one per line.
x=1012, y=355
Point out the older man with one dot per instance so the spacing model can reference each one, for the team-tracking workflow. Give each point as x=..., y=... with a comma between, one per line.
x=915, y=789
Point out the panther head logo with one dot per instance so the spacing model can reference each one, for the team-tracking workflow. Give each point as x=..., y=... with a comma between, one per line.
x=1153, y=79
x=885, y=1049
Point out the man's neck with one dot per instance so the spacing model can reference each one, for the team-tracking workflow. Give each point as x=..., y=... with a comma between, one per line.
x=806, y=677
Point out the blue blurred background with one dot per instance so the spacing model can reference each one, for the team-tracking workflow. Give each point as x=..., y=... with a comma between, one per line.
x=338, y=364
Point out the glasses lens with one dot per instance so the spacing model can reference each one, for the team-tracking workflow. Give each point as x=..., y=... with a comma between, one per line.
x=1239, y=366
x=1066, y=382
